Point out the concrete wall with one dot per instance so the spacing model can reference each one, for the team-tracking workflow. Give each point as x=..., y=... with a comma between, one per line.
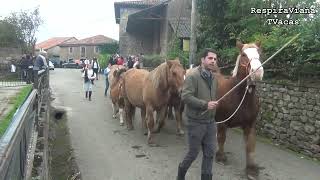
x=291, y=116
x=65, y=54
x=54, y=51
x=7, y=54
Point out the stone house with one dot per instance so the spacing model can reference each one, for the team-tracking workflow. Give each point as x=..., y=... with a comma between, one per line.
x=84, y=48
x=51, y=46
x=149, y=26
x=65, y=48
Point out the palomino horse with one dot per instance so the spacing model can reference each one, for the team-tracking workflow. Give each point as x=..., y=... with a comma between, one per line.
x=167, y=78
x=117, y=100
x=248, y=61
x=112, y=79
x=131, y=90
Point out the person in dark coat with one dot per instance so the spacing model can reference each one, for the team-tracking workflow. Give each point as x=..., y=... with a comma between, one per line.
x=199, y=96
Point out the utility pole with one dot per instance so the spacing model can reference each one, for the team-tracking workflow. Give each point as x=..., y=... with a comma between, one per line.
x=193, y=42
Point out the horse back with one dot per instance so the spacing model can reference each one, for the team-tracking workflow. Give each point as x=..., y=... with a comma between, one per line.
x=133, y=83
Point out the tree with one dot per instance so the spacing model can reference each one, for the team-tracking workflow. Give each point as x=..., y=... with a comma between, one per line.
x=26, y=25
x=223, y=22
x=7, y=38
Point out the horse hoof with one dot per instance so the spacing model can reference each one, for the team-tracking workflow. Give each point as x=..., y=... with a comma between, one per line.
x=156, y=131
x=130, y=128
x=180, y=133
x=252, y=172
x=114, y=116
x=145, y=133
x=221, y=158
x=152, y=144
x=121, y=124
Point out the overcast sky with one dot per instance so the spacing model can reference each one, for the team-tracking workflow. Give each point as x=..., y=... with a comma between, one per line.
x=64, y=18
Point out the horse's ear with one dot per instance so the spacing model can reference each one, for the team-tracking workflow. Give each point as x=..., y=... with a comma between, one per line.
x=258, y=43
x=169, y=63
x=239, y=44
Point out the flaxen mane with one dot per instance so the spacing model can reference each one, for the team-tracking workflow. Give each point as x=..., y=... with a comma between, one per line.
x=246, y=46
x=159, y=75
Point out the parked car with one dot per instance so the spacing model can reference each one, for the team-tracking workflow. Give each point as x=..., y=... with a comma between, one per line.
x=51, y=66
x=71, y=64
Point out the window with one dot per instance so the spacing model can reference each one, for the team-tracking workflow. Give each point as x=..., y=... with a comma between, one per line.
x=185, y=44
x=96, y=49
x=83, y=52
x=70, y=50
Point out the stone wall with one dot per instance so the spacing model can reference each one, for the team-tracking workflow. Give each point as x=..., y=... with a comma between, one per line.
x=290, y=115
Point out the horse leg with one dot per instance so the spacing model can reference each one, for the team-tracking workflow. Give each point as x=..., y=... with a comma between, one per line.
x=161, y=114
x=144, y=121
x=222, y=134
x=150, y=124
x=178, y=115
x=115, y=109
x=128, y=109
x=252, y=169
x=170, y=114
x=121, y=106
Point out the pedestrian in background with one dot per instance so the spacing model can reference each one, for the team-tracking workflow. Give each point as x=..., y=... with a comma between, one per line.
x=88, y=77
x=106, y=73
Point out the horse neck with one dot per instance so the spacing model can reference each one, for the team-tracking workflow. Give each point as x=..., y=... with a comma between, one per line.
x=163, y=84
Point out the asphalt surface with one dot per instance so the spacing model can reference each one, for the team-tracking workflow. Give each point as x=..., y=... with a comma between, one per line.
x=106, y=151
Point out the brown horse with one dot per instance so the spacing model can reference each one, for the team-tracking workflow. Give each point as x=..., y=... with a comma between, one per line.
x=112, y=80
x=247, y=61
x=131, y=91
x=158, y=86
x=117, y=100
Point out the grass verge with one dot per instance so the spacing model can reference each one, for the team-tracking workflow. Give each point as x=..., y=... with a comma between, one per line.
x=16, y=101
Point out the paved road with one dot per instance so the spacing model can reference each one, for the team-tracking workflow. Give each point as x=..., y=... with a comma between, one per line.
x=106, y=151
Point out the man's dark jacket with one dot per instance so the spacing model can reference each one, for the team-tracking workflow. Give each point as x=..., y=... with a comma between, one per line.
x=197, y=92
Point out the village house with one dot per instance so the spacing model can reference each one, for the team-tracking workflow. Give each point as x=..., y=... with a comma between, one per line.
x=84, y=48
x=149, y=26
x=67, y=48
x=51, y=46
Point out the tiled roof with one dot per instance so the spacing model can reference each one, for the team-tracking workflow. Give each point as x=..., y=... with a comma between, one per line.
x=52, y=42
x=182, y=27
x=94, y=40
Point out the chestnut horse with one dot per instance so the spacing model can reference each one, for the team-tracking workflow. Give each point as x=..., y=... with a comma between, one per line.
x=131, y=91
x=112, y=80
x=167, y=78
x=248, y=61
x=117, y=100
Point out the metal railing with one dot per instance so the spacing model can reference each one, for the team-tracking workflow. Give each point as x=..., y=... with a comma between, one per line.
x=17, y=145
x=14, y=75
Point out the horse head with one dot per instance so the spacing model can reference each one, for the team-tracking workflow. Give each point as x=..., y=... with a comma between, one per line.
x=175, y=74
x=249, y=61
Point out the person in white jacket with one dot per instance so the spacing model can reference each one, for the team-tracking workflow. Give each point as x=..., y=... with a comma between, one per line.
x=89, y=77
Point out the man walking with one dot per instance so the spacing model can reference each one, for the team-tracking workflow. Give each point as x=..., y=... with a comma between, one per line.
x=199, y=95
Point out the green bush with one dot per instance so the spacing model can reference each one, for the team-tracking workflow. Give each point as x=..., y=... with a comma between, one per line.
x=153, y=60
x=103, y=59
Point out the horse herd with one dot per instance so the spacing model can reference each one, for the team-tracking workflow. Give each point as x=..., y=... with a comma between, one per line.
x=159, y=91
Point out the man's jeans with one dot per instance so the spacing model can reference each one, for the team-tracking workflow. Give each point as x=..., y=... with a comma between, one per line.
x=201, y=135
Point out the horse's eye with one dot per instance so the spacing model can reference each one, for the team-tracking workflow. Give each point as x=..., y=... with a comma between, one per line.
x=243, y=54
x=174, y=73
